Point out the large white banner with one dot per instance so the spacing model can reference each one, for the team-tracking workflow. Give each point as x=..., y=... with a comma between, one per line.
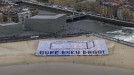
x=71, y=47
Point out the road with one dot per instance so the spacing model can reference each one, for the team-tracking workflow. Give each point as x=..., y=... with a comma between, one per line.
x=62, y=69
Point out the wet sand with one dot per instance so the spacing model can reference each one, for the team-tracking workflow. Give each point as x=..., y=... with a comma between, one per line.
x=62, y=69
x=24, y=53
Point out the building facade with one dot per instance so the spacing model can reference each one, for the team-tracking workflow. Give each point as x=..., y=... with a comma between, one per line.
x=23, y=15
x=7, y=29
x=1, y=17
x=125, y=14
x=46, y=23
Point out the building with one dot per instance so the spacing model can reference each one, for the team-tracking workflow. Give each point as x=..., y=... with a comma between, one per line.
x=106, y=11
x=132, y=1
x=86, y=6
x=120, y=12
x=4, y=7
x=126, y=14
x=33, y=11
x=4, y=1
x=23, y=15
x=7, y=29
x=1, y=17
x=10, y=17
x=49, y=23
x=18, y=14
x=43, y=0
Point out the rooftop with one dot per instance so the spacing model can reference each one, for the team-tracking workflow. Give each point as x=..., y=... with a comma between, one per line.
x=47, y=16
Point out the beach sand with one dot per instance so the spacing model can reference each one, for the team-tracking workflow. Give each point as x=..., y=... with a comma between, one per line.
x=62, y=69
x=24, y=53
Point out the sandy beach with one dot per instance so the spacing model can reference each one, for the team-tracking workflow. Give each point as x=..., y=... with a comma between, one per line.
x=62, y=69
x=24, y=53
